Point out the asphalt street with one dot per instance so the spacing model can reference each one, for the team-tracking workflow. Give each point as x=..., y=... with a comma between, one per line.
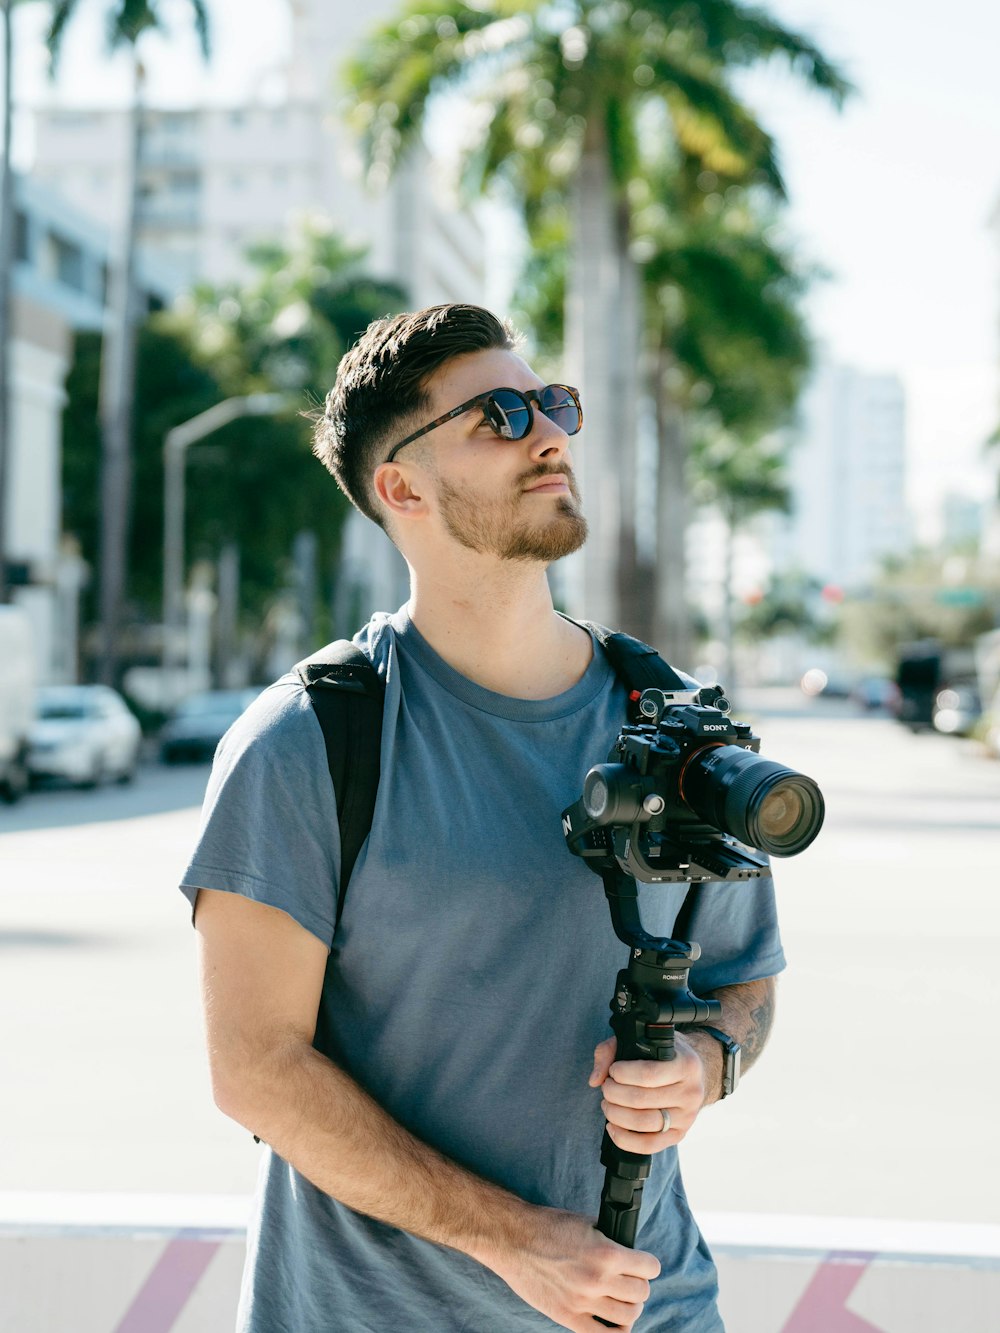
x=875, y=1098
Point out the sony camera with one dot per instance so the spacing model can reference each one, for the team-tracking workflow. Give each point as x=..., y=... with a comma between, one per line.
x=685, y=797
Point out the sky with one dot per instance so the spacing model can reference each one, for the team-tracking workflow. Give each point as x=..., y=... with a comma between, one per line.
x=892, y=196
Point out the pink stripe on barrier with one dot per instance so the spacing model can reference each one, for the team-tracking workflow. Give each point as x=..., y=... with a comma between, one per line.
x=168, y=1288
x=823, y=1305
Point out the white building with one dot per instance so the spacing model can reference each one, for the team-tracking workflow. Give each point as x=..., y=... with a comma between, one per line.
x=216, y=179
x=847, y=477
x=59, y=283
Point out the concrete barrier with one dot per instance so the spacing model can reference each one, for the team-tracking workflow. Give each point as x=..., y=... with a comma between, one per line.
x=171, y=1264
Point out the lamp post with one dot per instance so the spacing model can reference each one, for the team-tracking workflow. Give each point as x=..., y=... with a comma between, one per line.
x=176, y=443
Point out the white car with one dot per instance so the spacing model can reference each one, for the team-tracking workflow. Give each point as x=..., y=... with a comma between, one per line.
x=85, y=734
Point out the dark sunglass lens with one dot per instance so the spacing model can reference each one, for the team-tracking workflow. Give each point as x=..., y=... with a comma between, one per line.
x=508, y=414
x=560, y=407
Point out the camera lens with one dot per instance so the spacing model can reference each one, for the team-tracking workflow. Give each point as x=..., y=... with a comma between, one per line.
x=760, y=802
x=611, y=794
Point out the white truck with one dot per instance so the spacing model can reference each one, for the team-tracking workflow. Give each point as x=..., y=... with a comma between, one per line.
x=17, y=700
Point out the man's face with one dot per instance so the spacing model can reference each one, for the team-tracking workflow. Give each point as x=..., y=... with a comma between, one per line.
x=513, y=499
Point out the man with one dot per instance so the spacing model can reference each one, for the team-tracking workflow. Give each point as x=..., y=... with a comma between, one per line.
x=419, y=1069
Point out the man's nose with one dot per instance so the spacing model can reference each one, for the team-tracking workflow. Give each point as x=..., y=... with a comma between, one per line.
x=547, y=440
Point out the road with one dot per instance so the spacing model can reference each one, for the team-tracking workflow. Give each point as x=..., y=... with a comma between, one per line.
x=875, y=1098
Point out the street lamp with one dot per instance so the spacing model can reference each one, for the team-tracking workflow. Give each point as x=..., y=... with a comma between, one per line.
x=176, y=443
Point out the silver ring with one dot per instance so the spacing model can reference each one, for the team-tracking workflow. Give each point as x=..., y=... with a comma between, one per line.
x=666, y=1119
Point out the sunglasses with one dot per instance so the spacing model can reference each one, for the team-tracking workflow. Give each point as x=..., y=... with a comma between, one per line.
x=510, y=414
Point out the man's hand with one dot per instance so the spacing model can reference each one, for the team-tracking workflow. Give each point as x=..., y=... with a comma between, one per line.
x=568, y=1271
x=638, y=1092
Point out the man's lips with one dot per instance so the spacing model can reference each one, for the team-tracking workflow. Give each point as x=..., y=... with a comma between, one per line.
x=557, y=483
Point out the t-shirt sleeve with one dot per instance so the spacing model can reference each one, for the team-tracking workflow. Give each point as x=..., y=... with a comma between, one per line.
x=269, y=826
x=736, y=923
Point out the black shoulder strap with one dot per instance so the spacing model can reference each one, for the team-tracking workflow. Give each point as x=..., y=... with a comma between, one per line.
x=347, y=693
x=637, y=665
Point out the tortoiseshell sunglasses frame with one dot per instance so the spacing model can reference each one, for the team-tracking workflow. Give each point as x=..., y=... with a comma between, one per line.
x=527, y=396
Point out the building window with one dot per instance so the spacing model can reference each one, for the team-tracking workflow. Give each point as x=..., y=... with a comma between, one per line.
x=69, y=263
x=22, y=237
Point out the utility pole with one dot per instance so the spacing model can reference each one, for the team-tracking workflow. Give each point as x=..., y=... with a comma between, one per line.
x=175, y=446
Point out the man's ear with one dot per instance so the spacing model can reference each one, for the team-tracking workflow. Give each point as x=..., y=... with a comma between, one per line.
x=399, y=488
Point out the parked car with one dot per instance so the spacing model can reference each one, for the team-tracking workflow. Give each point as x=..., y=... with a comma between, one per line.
x=957, y=709
x=876, y=693
x=84, y=734
x=199, y=723
x=17, y=693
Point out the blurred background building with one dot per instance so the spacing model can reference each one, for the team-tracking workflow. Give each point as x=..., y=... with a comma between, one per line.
x=847, y=478
x=216, y=180
x=59, y=283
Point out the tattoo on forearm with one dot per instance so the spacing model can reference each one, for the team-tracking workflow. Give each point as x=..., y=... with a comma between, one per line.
x=761, y=1019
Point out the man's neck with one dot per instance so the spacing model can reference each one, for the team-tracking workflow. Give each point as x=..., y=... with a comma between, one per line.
x=500, y=629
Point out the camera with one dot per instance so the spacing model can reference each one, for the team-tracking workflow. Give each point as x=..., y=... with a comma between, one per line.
x=686, y=797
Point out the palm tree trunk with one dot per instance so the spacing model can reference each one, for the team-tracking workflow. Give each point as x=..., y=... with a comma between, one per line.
x=672, y=620
x=6, y=265
x=592, y=324
x=116, y=403
x=625, y=390
x=728, y=648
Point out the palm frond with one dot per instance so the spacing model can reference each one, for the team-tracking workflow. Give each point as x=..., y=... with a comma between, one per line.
x=431, y=46
x=62, y=12
x=202, y=27
x=735, y=34
x=127, y=20
x=712, y=126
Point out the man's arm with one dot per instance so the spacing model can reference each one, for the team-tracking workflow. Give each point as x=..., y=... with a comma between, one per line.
x=262, y=975
x=637, y=1091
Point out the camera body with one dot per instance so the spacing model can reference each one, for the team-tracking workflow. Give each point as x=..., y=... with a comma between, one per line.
x=685, y=796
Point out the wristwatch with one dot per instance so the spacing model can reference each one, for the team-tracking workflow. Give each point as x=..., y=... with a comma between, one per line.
x=731, y=1058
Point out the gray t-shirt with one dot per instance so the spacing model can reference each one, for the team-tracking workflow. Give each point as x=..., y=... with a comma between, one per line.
x=468, y=981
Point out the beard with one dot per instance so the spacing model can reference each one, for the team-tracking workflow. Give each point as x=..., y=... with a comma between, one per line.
x=499, y=527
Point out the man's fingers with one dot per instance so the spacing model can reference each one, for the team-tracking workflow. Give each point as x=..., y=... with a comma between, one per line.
x=641, y=1264
x=619, y=1313
x=634, y=1141
x=651, y=1073
x=644, y=1122
x=604, y=1054
x=634, y=1290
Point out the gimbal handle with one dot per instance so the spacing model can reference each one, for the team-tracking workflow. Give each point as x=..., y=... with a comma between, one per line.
x=651, y=997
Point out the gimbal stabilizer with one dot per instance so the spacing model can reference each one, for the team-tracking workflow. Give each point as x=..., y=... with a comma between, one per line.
x=683, y=798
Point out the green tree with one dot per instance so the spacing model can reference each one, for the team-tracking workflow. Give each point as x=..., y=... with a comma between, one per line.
x=571, y=88
x=916, y=597
x=127, y=23
x=253, y=485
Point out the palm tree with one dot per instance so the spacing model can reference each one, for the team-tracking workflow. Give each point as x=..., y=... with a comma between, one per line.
x=127, y=22
x=725, y=348
x=571, y=88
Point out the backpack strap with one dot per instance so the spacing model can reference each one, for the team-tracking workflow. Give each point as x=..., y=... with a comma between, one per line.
x=347, y=694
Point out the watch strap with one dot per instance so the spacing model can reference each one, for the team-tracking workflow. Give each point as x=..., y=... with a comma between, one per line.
x=731, y=1056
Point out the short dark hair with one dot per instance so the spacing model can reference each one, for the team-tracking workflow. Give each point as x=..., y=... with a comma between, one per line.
x=381, y=385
